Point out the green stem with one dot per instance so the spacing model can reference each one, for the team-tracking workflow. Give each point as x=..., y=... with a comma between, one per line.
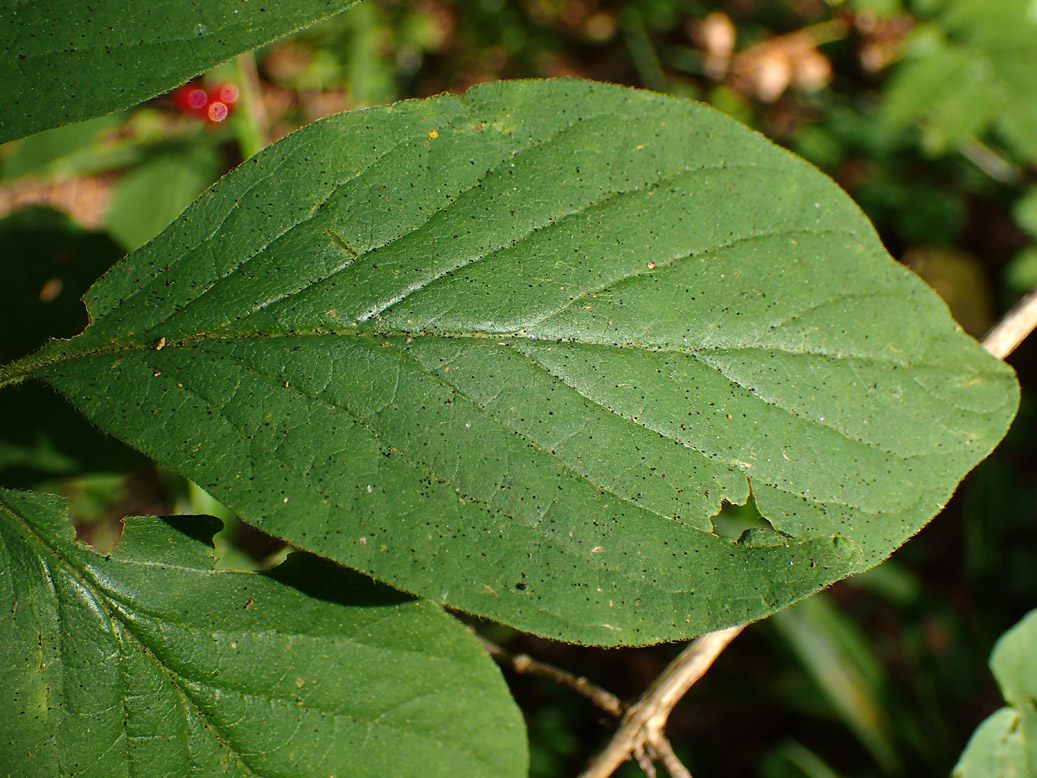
x=252, y=126
x=642, y=52
x=13, y=373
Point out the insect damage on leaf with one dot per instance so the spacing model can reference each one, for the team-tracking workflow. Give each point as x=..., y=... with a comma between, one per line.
x=339, y=241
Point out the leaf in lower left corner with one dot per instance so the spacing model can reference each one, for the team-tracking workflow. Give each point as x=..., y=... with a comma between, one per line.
x=149, y=662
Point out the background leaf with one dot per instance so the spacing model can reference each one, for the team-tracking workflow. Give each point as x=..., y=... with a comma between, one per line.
x=969, y=70
x=1005, y=745
x=1014, y=663
x=836, y=657
x=63, y=66
x=147, y=661
x=63, y=151
x=146, y=200
x=513, y=351
x=49, y=262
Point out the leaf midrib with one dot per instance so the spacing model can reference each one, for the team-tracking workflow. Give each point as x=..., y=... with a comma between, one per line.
x=115, y=348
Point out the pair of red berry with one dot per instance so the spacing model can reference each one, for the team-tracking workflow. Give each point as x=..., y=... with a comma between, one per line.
x=212, y=105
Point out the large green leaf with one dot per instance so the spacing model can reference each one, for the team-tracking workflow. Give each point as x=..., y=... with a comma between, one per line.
x=1005, y=745
x=148, y=662
x=64, y=63
x=512, y=351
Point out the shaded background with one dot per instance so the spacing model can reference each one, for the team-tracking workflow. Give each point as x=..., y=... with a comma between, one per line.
x=916, y=108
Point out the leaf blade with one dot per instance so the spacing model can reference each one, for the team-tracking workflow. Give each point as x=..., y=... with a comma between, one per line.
x=153, y=661
x=66, y=67
x=573, y=318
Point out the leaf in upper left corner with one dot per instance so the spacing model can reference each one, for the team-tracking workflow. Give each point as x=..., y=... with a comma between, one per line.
x=149, y=662
x=63, y=64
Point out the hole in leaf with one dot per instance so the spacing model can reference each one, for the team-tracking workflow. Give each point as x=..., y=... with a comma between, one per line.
x=735, y=520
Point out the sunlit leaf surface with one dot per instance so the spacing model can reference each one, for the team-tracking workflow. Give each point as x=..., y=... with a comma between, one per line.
x=512, y=351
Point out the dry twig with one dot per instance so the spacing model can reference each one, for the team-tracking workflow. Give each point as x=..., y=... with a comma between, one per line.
x=642, y=726
x=1005, y=336
x=664, y=753
x=523, y=663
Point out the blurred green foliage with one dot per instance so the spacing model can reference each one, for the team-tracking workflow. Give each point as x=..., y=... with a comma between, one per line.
x=923, y=110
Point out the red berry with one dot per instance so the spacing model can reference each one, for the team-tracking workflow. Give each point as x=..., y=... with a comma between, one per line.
x=196, y=98
x=190, y=98
x=212, y=105
x=217, y=111
x=225, y=93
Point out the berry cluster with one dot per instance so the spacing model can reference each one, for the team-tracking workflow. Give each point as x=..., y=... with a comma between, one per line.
x=213, y=105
